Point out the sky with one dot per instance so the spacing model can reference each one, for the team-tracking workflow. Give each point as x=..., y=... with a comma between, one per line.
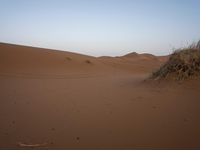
x=101, y=27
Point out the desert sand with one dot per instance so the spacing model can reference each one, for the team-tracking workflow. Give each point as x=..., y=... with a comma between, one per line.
x=56, y=100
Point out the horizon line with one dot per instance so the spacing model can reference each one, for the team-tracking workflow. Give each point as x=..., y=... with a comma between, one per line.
x=62, y=50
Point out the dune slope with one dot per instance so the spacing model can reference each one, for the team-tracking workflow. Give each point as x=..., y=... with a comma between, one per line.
x=60, y=100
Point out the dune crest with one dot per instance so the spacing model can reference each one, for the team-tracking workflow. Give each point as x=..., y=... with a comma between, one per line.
x=30, y=60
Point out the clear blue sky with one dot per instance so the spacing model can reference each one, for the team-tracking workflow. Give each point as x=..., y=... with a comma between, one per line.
x=101, y=27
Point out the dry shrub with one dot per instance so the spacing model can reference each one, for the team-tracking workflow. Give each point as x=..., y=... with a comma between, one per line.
x=68, y=58
x=88, y=62
x=182, y=64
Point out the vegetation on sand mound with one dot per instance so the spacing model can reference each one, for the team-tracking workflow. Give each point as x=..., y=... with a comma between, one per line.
x=182, y=64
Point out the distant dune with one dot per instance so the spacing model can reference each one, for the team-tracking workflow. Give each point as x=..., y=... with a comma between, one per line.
x=23, y=59
x=60, y=100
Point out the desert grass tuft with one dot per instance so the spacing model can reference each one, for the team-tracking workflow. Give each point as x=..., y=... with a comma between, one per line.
x=88, y=62
x=182, y=64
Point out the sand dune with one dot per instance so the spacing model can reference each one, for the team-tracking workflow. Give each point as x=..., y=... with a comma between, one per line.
x=30, y=60
x=59, y=100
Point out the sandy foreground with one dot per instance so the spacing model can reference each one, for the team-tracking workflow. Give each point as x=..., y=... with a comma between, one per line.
x=54, y=100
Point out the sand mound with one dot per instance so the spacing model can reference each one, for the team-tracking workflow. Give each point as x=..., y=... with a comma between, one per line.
x=25, y=61
x=182, y=64
x=131, y=55
x=136, y=56
x=32, y=60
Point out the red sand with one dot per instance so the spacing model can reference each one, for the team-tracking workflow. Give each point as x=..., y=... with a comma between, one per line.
x=60, y=100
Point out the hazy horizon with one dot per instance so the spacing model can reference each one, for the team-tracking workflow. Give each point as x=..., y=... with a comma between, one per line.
x=100, y=28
